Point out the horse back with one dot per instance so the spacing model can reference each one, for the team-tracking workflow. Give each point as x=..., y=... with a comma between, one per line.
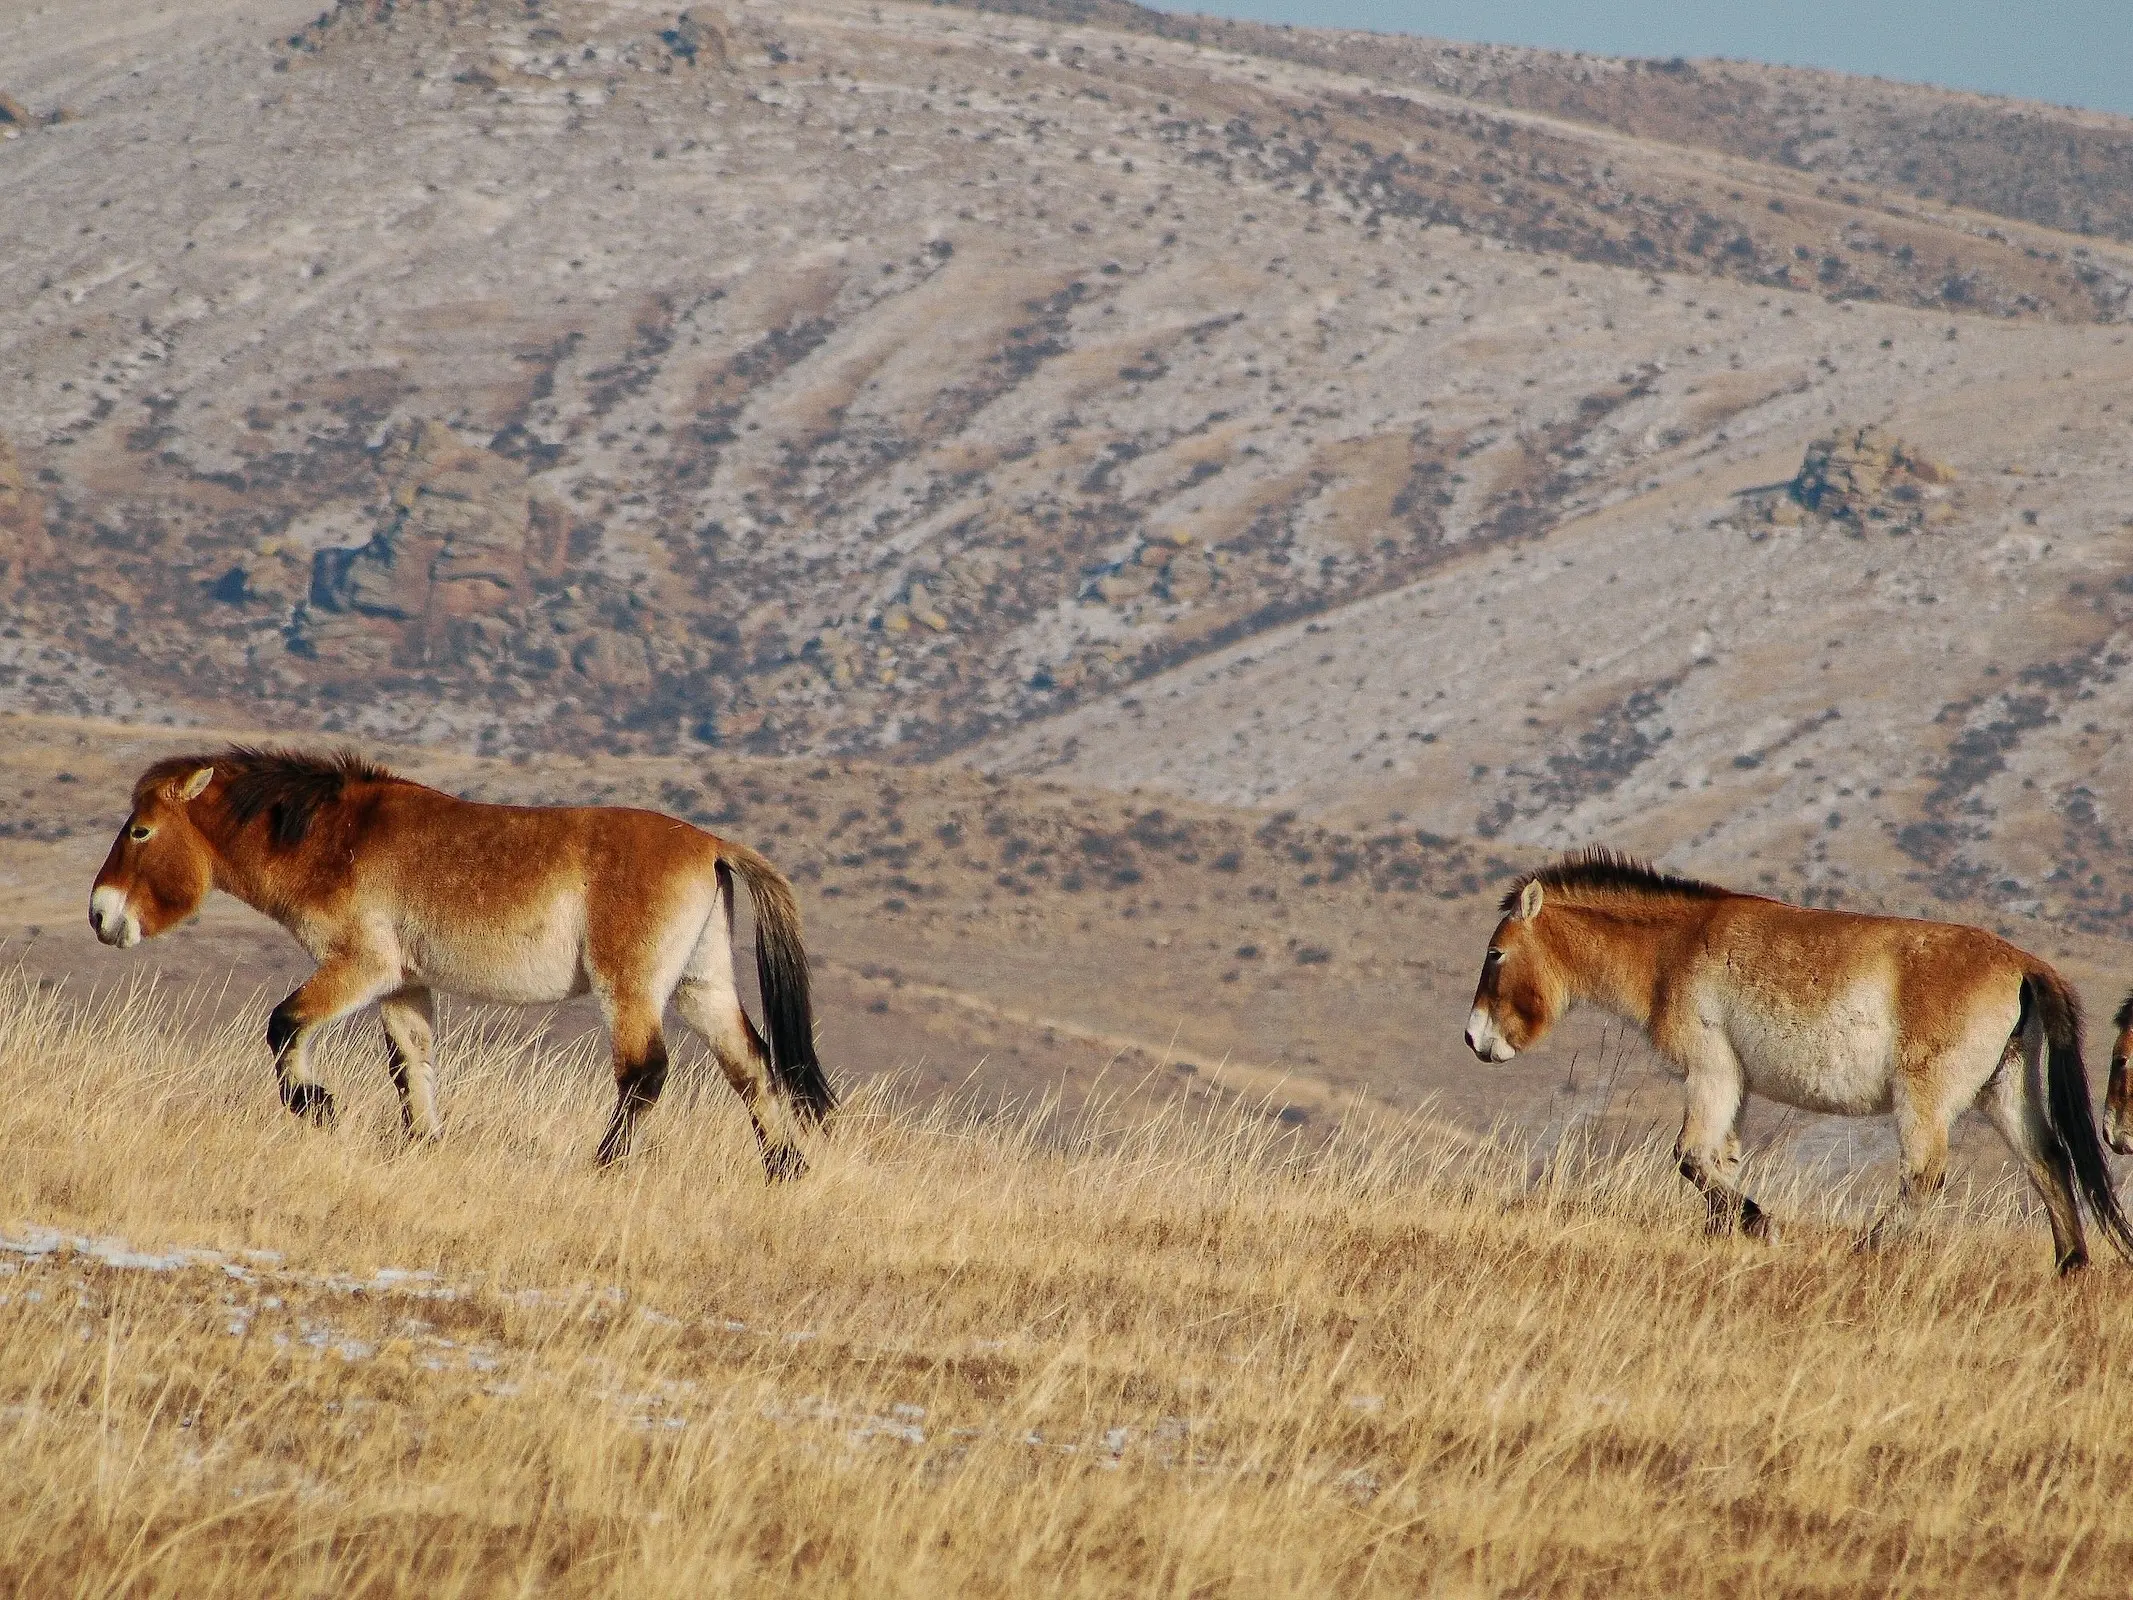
x=426, y=844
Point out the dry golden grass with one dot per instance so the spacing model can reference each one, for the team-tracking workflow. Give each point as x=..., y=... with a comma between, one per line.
x=1174, y=1355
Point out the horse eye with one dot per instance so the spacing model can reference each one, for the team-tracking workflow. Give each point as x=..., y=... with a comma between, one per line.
x=1494, y=954
x=138, y=832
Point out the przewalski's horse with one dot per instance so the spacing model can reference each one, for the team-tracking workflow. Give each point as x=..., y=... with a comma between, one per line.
x=397, y=890
x=1825, y=1010
x=2118, y=1099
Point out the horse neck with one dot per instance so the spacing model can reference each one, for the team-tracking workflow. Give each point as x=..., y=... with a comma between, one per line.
x=239, y=863
x=1611, y=955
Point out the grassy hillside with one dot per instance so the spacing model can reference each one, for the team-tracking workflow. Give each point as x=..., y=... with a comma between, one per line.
x=1158, y=1354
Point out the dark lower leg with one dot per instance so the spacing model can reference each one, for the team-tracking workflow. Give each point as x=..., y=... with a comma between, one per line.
x=396, y=1069
x=781, y=1160
x=1916, y=1193
x=1727, y=1207
x=298, y=1093
x=636, y=1087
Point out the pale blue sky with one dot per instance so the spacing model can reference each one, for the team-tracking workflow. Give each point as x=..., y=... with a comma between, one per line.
x=2069, y=52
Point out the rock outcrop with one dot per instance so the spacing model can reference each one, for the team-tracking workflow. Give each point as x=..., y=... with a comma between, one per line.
x=462, y=538
x=1862, y=475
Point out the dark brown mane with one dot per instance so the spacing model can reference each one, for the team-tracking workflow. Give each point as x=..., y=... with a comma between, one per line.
x=288, y=787
x=2124, y=1019
x=1599, y=870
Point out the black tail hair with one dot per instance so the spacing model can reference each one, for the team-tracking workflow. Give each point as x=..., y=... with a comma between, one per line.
x=2073, y=1119
x=781, y=971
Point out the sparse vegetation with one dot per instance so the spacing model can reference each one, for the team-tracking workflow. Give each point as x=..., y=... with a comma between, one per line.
x=1151, y=1353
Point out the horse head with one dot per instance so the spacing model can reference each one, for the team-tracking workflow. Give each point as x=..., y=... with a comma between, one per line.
x=1521, y=992
x=2118, y=1100
x=159, y=868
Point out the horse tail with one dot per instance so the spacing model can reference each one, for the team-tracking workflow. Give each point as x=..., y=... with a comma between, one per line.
x=781, y=971
x=2067, y=1108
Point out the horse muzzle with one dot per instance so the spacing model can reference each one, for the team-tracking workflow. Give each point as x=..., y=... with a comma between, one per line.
x=2116, y=1133
x=112, y=921
x=1484, y=1040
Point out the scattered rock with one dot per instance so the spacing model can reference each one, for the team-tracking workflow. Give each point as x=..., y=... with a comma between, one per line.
x=613, y=660
x=838, y=658
x=1168, y=566
x=1859, y=475
x=1128, y=583
x=692, y=36
x=922, y=609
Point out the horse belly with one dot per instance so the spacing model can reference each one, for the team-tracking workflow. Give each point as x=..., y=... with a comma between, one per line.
x=1840, y=1062
x=536, y=960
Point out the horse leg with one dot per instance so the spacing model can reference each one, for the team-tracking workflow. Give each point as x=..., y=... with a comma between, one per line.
x=410, y=1018
x=1709, y=1148
x=640, y=1069
x=343, y=983
x=2012, y=1104
x=1922, y=1144
x=710, y=1002
x=713, y=1009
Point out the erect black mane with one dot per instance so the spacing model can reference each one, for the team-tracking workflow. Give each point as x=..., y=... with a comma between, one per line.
x=1605, y=871
x=288, y=787
x=2124, y=1018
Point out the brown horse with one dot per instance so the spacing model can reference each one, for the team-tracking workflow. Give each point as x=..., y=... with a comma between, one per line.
x=397, y=890
x=2118, y=1099
x=1825, y=1010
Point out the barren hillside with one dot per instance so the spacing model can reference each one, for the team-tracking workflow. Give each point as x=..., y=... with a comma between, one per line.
x=2054, y=165
x=1282, y=422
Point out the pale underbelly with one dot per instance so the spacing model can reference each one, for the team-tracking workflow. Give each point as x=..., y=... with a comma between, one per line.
x=536, y=969
x=1838, y=1074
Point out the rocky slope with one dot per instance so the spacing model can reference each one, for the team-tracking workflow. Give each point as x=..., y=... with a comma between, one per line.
x=2054, y=165
x=1261, y=414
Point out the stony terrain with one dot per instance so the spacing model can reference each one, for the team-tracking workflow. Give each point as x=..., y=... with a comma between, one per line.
x=840, y=379
x=2053, y=165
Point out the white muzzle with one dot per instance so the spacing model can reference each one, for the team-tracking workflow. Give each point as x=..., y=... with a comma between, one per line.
x=113, y=921
x=1483, y=1039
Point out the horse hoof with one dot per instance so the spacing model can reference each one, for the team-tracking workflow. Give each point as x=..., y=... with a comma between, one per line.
x=1761, y=1229
x=312, y=1102
x=783, y=1163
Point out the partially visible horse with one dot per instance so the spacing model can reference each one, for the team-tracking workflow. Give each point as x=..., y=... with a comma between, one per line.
x=2118, y=1098
x=398, y=890
x=1825, y=1010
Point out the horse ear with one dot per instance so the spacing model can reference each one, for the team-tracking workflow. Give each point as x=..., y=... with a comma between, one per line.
x=1529, y=901
x=191, y=787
